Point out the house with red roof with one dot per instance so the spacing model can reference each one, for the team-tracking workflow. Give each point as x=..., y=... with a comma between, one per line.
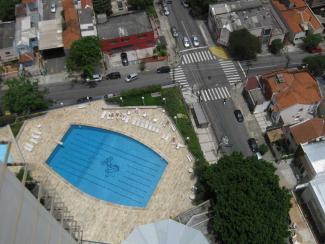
x=298, y=18
x=72, y=30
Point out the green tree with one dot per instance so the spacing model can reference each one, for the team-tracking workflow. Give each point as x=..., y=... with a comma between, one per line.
x=7, y=9
x=24, y=96
x=316, y=64
x=311, y=41
x=141, y=4
x=84, y=55
x=248, y=204
x=102, y=6
x=243, y=45
x=200, y=8
x=276, y=46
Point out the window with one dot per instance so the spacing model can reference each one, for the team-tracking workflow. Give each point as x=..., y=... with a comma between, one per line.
x=7, y=53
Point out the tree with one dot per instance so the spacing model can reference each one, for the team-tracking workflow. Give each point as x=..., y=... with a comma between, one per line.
x=200, y=8
x=84, y=55
x=102, y=7
x=23, y=96
x=276, y=46
x=312, y=40
x=316, y=64
x=243, y=45
x=140, y=4
x=7, y=10
x=248, y=204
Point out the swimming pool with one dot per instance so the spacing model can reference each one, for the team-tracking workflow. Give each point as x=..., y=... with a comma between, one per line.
x=108, y=165
x=3, y=149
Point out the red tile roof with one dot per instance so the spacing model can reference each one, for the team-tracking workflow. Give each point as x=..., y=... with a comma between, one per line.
x=297, y=15
x=72, y=31
x=26, y=57
x=308, y=131
x=251, y=83
x=295, y=87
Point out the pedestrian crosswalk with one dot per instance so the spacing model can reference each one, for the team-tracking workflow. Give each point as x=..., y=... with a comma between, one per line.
x=213, y=94
x=230, y=71
x=178, y=75
x=195, y=57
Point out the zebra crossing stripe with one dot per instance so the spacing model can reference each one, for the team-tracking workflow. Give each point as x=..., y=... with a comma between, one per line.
x=201, y=56
x=235, y=77
x=214, y=94
x=227, y=92
x=203, y=96
x=209, y=55
x=226, y=62
x=189, y=58
x=208, y=97
x=225, y=66
x=217, y=91
x=224, y=92
x=204, y=56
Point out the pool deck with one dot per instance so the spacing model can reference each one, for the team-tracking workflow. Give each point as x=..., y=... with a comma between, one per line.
x=100, y=220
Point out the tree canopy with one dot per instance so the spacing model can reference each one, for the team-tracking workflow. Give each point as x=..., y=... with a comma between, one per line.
x=102, y=6
x=243, y=45
x=7, y=10
x=140, y=4
x=311, y=41
x=23, y=96
x=316, y=64
x=276, y=46
x=200, y=7
x=248, y=204
x=84, y=55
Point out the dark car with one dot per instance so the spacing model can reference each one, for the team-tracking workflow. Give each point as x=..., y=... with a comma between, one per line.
x=163, y=69
x=124, y=58
x=119, y=5
x=113, y=75
x=252, y=144
x=84, y=99
x=174, y=32
x=239, y=116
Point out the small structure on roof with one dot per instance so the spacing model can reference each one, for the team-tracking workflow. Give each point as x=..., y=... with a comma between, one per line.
x=165, y=232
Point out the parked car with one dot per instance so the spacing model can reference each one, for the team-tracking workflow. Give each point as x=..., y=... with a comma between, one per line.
x=174, y=31
x=185, y=3
x=186, y=42
x=302, y=66
x=113, y=75
x=95, y=77
x=195, y=41
x=239, y=116
x=84, y=99
x=163, y=4
x=253, y=145
x=53, y=8
x=163, y=69
x=258, y=155
x=110, y=95
x=166, y=11
x=315, y=50
x=124, y=58
x=131, y=77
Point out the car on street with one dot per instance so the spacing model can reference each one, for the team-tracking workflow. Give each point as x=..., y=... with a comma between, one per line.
x=302, y=66
x=131, y=77
x=185, y=3
x=174, y=31
x=110, y=95
x=95, y=77
x=113, y=75
x=84, y=99
x=195, y=41
x=239, y=116
x=166, y=11
x=124, y=59
x=186, y=42
x=53, y=8
x=163, y=69
x=252, y=145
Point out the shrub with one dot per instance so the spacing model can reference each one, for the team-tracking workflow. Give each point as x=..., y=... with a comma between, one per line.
x=263, y=148
x=7, y=119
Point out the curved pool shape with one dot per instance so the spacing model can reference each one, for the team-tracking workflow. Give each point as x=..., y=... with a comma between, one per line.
x=108, y=165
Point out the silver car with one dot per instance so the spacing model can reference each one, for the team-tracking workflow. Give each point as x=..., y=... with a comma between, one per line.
x=195, y=41
x=131, y=77
x=186, y=42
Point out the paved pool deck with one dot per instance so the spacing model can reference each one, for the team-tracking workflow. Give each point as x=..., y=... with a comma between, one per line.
x=100, y=220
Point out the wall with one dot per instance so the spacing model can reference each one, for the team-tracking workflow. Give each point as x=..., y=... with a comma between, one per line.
x=119, y=44
x=8, y=54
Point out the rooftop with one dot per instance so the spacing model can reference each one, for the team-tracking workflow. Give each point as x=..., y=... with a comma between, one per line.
x=291, y=87
x=124, y=25
x=315, y=154
x=317, y=185
x=86, y=3
x=72, y=31
x=297, y=14
x=50, y=34
x=85, y=16
x=308, y=130
x=24, y=31
x=7, y=34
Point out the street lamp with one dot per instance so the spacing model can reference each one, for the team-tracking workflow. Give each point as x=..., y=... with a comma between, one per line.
x=121, y=98
x=143, y=100
x=187, y=139
x=164, y=100
x=175, y=117
x=88, y=98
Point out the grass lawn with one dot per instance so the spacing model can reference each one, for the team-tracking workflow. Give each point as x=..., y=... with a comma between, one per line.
x=15, y=127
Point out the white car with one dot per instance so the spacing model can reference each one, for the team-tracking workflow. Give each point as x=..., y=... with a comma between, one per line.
x=53, y=8
x=186, y=42
x=195, y=41
x=131, y=77
x=95, y=77
x=166, y=11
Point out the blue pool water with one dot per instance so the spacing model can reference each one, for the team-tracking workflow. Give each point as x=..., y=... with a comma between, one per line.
x=108, y=165
x=3, y=149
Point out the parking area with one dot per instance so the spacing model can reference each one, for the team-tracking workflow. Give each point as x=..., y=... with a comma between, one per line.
x=47, y=14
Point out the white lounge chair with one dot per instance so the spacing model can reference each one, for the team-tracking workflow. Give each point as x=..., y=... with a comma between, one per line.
x=129, y=112
x=146, y=125
x=103, y=115
x=150, y=127
x=155, y=120
x=33, y=140
x=126, y=120
x=157, y=130
x=39, y=126
x=143, y=123
x=29, y=145
x=37, y=132
x=35, y=136
x=167, y=137
x=189, y=157
x=134, y=121
x=173, y=127
x=138, y=123
x=28, y=148
x=144, y=115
